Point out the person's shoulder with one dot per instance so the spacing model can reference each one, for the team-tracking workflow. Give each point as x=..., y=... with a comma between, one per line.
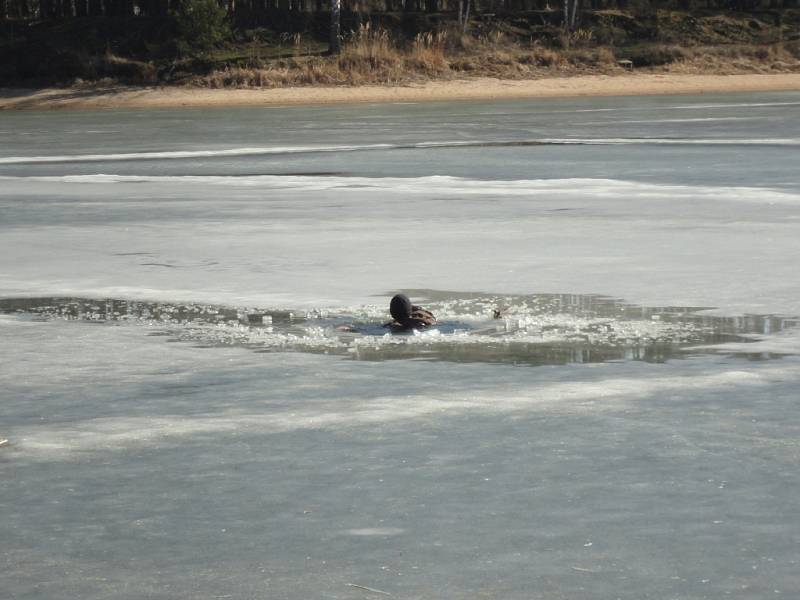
x=423, y=316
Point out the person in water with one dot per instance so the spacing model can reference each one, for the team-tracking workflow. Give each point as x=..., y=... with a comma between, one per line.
x=407, y=316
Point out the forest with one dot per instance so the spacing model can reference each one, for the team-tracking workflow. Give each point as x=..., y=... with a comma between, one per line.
x=267, y=43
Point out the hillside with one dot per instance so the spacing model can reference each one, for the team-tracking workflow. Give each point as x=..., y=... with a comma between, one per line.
x=392, y=47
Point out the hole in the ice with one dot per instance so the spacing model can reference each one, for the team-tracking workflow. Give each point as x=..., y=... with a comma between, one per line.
x=539, y=329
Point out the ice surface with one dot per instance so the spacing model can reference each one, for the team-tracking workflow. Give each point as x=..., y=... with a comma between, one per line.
x=290, y=242
x=142, y=468
x=186, y=418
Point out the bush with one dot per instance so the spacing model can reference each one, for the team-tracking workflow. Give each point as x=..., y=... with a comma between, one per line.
x=541, y=57
x=202, y=24
x=127, y=69
x=591, y=57
x=653, y=56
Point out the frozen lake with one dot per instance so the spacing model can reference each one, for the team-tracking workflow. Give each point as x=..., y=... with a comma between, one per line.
x=200, y=400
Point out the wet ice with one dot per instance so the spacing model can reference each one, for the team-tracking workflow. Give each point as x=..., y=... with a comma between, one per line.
x=534, y=330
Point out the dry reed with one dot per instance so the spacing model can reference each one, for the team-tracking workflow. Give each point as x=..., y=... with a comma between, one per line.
x=428, y=51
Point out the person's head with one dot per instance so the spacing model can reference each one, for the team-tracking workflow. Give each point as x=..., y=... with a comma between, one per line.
x=400, y=307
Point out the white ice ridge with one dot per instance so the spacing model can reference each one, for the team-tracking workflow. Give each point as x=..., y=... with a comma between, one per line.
x=440, y=185
x=686, y=107
x=255, y=151
x=672, y=141
x=620, y=389
x=281, y=150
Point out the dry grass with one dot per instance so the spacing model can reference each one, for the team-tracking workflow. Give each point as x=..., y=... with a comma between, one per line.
x=733, y=59
x=126, y=69
x=368, y=56
x=591, y=57
x=372, y=45
x=581, y=37
x=371, y=56
x=428, y=51
x=542, y=57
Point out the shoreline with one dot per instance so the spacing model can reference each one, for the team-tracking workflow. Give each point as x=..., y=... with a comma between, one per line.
x=628, y=84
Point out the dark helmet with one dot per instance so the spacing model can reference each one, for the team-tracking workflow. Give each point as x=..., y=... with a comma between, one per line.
x=400, y=307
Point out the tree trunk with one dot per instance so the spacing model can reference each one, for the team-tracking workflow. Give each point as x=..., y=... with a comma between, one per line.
x=45, y=9
x=574, y=15
x=335, y=44
x=18, y=9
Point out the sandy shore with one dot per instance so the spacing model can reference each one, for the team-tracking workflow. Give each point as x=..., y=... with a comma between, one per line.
x=630, y=84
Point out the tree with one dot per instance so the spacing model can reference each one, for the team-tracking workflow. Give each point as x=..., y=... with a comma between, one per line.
x=570, y=14
x=335, y=45
x=202, y=25
x=463, y=15
x=94, y=8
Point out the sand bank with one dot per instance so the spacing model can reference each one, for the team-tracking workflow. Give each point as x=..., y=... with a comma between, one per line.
x=629, y=84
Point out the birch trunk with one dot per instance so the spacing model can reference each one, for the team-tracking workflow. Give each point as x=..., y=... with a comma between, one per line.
x=574, y=15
